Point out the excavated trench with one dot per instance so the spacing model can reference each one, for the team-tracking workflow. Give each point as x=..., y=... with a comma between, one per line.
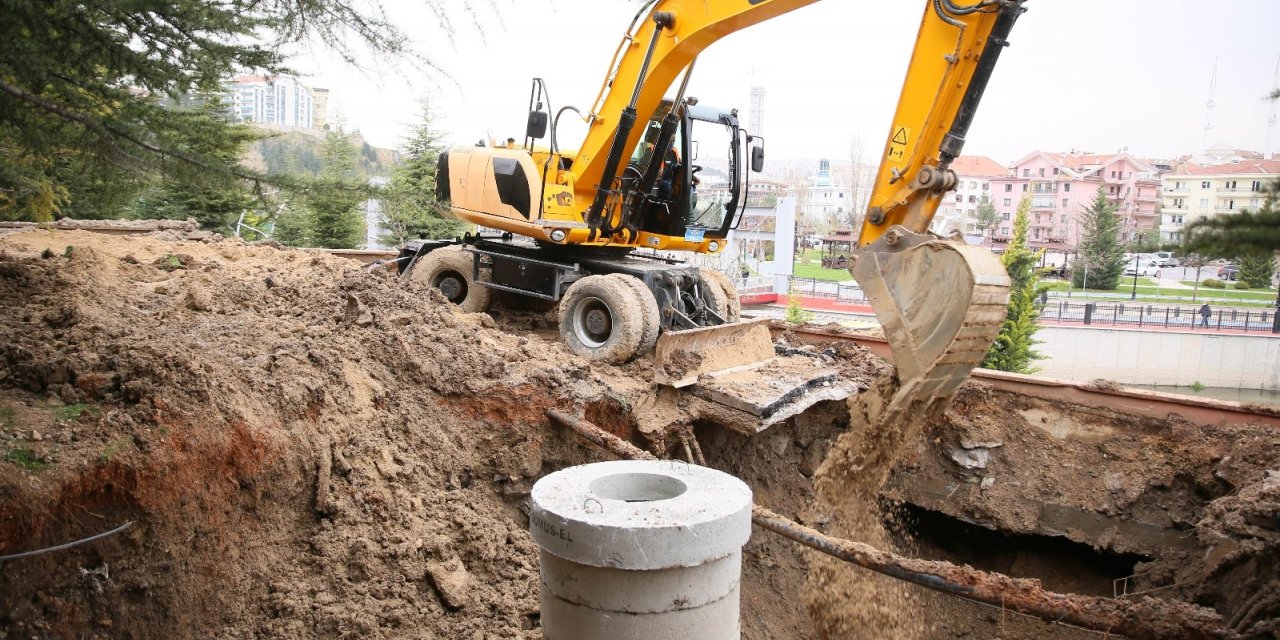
x=306, y=450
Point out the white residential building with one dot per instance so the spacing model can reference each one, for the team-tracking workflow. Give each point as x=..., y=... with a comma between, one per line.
x=280, y=101
x=959, y=207
x=1195, y=191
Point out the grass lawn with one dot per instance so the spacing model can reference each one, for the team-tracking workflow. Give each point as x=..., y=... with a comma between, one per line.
x=814, y=268
x=1147, y=290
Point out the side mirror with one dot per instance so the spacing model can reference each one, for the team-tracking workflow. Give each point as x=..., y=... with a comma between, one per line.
x=537, y=126
x=757, y=159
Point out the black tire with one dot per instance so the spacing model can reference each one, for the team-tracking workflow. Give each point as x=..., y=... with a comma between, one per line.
x=733, y=306
x=651, y=321
x=600, y=319
x=449, y=270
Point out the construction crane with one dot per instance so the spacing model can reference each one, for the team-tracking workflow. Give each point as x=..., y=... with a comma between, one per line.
x=574, y=225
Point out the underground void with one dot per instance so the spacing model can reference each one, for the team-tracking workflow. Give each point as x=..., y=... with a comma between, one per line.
x=640, y=549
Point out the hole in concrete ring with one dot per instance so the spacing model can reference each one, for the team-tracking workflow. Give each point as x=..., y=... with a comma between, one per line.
x=637, y=487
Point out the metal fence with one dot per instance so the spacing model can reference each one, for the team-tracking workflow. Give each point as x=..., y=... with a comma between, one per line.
x=1126, y=314
x=847, y=292
x=1169, y=317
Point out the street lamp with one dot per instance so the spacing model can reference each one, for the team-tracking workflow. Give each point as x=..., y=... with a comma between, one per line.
x=1134, y=295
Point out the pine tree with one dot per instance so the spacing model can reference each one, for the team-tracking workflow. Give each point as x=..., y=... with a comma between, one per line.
x=1013, y=349
x=216, y=201
x=409, y=207
x=1100, y=257
x=1256, y=270
x=335, y=220
x=91, y=84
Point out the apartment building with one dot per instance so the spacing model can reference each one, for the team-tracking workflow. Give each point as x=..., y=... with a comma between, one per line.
x=281, y=101
x=958, y=209
x=1196, y=191
x=1062, y=185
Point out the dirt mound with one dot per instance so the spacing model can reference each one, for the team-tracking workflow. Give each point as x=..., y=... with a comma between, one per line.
x=306, y=448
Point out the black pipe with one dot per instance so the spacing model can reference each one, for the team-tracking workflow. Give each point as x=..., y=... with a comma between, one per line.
x=953, y=143
x=595, y=217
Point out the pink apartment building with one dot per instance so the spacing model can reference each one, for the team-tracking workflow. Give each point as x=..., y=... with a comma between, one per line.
x=1061, y=185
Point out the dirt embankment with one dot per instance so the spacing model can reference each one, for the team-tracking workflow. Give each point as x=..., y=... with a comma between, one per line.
x=306, y=449
x=309, y=450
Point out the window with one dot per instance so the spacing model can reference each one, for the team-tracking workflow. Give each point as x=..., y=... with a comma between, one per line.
x=973, y=185
x=1008, y=202
x=986, y=186
x=1064, y=202
x=1204, y=185
x=973, y=199
x=1026, y=173
x=1231, y=204
x=1004, y=231
x=1055, y=171
x=1008, y=187
x=959, y=198
x=1204, y=202
x=841, y=194
x=1176, y=219
x=1113, y=174
x=1257, y=186
x=1041, y=172
x=1128, y=175
x=1024, y=186
x=1036, y=233
x=1066, y=186
x=1005, y=216
x=1229, y=185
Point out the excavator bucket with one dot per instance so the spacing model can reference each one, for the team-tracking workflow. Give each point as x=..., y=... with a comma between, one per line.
x=940, y=303
x=734, y=366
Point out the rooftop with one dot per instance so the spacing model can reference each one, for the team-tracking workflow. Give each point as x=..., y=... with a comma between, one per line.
x=978, y=166
x=1243, y=167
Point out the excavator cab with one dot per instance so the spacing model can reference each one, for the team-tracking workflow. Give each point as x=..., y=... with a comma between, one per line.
x=707, y=139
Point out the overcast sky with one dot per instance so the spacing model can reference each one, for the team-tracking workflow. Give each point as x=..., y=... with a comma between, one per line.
x=1095, y=75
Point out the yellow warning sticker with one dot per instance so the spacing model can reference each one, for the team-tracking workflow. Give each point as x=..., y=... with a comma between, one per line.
x=897, y=153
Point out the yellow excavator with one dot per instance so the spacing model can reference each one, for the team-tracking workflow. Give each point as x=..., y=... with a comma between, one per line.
x=583, y=228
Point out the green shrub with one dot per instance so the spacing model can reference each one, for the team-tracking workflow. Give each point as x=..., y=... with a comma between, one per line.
x=1242, y=285
x=1214, y=283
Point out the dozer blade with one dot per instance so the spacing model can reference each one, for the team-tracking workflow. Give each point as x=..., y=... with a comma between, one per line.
x=941, y=304
x=681, y=357
x=734, y=366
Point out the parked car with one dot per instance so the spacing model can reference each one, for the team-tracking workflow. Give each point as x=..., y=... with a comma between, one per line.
x=1228, y=272
x=1148, y=270
x=1166, y=259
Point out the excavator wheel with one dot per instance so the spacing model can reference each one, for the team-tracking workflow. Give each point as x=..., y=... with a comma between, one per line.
x=732, y=309
x=449, y=270
x=601, y=318
x=652, y=322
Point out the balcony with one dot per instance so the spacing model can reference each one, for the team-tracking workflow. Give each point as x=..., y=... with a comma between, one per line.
x=1181, y=191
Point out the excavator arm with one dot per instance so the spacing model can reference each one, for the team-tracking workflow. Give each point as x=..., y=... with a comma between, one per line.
x=940, y=302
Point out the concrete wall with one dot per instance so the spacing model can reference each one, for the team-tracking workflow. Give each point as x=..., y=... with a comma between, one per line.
x=1160, y=357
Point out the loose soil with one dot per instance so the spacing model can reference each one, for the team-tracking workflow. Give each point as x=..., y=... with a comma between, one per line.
x=308, y=449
